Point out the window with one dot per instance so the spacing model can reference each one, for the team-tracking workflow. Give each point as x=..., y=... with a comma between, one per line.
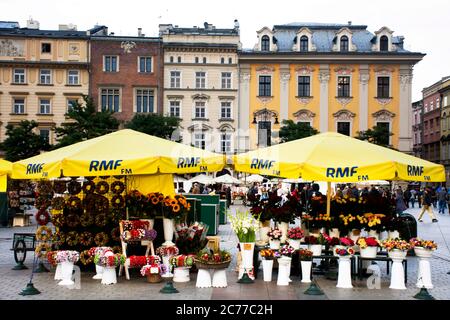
x=386, y=128
x=171, y=59
x=204, y=59
x=415, y=119
x=230, y=60
x=46, y=48
x=175, y=108
x=431, y=105
x=225, y=143
x=265, y=43
x=343, y=128
x=199, y=140
x=45, y=76
x=145, y=64
x=110, y=100
x=45, y=134
x=175, y=79
x=445, y=101
x=265, y=86
x=264, y=133
x=384, y=43
x=73, y=77
x=344, y=44
x=226, y=80
x=19, y=106
x=304, y=44
x=304, y=86
x=222, y=60
x=383, y=87
x=196, y=59
x=225, y=110
x=200, y=109
x=19, y=75
x=71, y=103
x=110, y=64
x=44, y=106
x=179, y=59
x=344, y=87
x=200, y=80
x=144, y=100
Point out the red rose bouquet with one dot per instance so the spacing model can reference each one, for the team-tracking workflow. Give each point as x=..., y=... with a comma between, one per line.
x=295, y=233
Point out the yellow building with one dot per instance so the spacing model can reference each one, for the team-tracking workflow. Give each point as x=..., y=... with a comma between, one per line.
x=41, y=73
x=338, y=78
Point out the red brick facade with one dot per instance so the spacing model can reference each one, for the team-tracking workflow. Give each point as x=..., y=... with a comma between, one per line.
x=127, y=78
x=431, y=128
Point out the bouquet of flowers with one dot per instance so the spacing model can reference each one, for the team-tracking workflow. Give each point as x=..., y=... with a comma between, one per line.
x=67, y=256
x=135, y=202
x=182, y=261
x=155, y=268
x=139, y=261
x=274, y=234
x=175, y=208
x=346, y=241
x=167, y=251
x=287, y=250
x=109, y=260
x=267, y=254
x=331, y=241
x=396, y=244
x=426, y=244
x=206, y=256
x=305, y=254
x=368, y=242
x=191, y=239
x=345, y=251
x=245, y=226
x=51, y=257
x=295, y=233
x=94, y=251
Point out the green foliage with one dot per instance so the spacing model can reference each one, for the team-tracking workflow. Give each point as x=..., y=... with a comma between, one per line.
x=22, y=142
x=85, y=122
x=377, y=135
x=292, y=131
x=154, y=124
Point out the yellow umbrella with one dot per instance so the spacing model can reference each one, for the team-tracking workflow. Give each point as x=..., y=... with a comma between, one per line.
x=334, y=157
x=5, y=169
x=125, y=152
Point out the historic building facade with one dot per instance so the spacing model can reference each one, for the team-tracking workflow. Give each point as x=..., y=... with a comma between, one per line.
x=417, y=127
x=126, y=74
x=335, y=77
x=41, y=73
x=444, y=98
x=201, y=84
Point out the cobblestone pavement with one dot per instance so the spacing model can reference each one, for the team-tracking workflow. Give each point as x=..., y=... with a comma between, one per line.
x=12, y=282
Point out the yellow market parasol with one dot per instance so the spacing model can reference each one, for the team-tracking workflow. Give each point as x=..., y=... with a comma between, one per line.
x=5, y=169
x=334, y=157
x=124, y=152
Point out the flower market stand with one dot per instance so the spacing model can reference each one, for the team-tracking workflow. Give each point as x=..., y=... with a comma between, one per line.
x=424, y=273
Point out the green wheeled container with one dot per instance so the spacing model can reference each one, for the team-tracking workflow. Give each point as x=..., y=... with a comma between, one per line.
x=223, y=212
x=209, y=213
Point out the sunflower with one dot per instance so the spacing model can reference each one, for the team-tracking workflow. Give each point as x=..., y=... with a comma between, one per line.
x=176, y=208
x=155, y=200
x=173, y=202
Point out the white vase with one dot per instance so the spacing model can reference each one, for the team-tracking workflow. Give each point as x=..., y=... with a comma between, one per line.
x=66, y=274
x=151, y=224
x=374, y=234
x=247, y=250
x=264, y=228
x=369, y=252
x=109, y=275
x=99, y=272
x=394, y=234
x=344, y=273
x=294, y=243
x=334, y=233
x=203, y=278
x=306, y=271
x=283, y=226
x=181, y=274
x=58, y=273
x=274, y=244
x=219, y=278
x=283, y=272
x=316, y=249
x=424, y=272
x=397, y=275
x=168, y=225
x=267, y=270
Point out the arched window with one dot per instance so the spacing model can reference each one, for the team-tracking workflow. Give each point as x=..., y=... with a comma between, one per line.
x=265, y=43
x=344, y=44
x=304, y=44
x=384, y=43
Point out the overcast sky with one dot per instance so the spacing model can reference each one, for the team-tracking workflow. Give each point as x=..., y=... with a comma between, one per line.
x=425, y=24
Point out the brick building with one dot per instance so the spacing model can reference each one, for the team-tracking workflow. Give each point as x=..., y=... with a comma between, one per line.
x=444, y=93
x=417, y=128
x=126, y=74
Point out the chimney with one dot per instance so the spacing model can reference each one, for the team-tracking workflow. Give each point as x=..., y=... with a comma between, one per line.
x=139, y=32
x=349, y=23
x=33, y=24
x=236, y=24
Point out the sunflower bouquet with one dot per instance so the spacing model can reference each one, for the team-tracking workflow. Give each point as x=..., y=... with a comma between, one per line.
x=175, y=208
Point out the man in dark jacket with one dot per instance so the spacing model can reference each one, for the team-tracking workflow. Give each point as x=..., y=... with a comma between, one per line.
x=427, y=206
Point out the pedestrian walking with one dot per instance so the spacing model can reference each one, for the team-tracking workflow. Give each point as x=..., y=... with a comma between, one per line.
x=420, y=197
x=413, y=197
x=399, y=201
x=427, y=206
x=442, y=200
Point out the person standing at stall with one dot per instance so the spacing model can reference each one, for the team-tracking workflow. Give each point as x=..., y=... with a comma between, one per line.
x=442, y=200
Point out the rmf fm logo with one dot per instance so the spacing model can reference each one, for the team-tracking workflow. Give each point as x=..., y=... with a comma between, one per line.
x=104, y=165
x=262, y=164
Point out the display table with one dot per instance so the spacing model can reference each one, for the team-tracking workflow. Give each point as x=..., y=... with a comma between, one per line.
x=380, y=258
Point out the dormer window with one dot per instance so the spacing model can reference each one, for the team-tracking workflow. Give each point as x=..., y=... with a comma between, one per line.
x=265, y=43
x=384, y=43
x=304, y=44
x=344, y=44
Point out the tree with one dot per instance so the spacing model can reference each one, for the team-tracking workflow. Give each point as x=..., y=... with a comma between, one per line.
x=377, y=135
x=293, y=131
x=87, y=123
x=155, y=124
x=22, y=142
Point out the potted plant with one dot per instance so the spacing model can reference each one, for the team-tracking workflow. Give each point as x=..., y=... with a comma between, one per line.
x=344, y=271
x=305, y=256
x=368, y=246
x=274, y=235
x=294, y=236
x=67, y=258
x=423, y=249
x=267, y=256
x=153, y=272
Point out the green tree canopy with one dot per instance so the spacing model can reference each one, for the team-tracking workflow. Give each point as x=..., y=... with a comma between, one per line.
x=293, y=131
x=22, y=142
x=154, y=124
x=85, y=122
x=377, y=135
